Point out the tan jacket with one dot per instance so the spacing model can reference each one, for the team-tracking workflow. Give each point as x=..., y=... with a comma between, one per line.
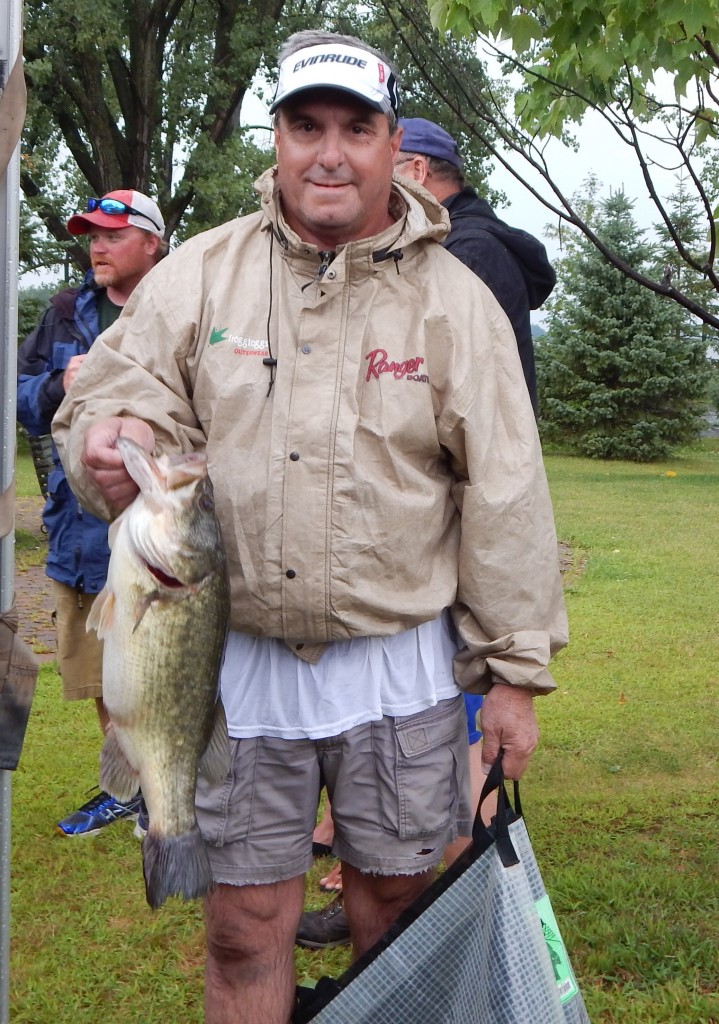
x=392, y=469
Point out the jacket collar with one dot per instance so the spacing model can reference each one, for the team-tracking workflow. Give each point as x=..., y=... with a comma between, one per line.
x=467, y=200
x=65, y=301
x=418, y=217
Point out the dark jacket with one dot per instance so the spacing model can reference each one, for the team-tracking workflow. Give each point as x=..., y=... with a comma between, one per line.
x=78, y=550
x=510, y=261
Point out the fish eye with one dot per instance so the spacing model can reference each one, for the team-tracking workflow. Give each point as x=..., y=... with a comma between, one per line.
x=206, y=503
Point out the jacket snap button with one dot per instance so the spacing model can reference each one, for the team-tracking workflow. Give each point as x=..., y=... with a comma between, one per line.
x=331, y=275
x=295, y=456
x=290, y=574
x=306, y=349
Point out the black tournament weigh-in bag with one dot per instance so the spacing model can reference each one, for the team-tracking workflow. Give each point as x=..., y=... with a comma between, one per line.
x=480, y=946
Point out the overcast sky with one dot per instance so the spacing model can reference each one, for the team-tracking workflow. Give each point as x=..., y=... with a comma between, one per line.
x=599, y=152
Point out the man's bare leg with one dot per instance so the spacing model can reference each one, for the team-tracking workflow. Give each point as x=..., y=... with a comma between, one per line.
x=373, y=902
x=250, y=972
x=324, y=829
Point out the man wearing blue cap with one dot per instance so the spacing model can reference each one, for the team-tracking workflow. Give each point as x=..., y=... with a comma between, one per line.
x=510, y=261
x=514, y=265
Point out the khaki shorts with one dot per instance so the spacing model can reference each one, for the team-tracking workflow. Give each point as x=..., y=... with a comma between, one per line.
x=399, y=789
x=79, y=653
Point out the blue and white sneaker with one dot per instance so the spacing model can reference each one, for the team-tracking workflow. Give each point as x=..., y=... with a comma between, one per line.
x=93, y=816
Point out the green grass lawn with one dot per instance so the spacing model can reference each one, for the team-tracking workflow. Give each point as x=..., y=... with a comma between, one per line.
x=621, y=798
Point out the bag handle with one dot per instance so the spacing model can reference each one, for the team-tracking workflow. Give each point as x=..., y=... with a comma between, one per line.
x=498, y=832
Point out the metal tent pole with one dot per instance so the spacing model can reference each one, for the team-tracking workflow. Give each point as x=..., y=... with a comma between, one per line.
x=5, y=791
x=10, y=41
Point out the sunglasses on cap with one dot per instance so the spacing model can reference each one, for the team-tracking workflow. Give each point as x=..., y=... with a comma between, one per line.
x=115, y=208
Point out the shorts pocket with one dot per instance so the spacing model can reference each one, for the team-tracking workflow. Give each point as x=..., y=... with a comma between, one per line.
x=417, y=771
x=224, y=809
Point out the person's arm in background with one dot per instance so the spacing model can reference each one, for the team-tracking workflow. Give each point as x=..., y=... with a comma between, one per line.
x=40, y=388
x=48, y=361
x=490, y=259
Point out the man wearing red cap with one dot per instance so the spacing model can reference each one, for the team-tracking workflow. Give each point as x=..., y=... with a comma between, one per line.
x=126, y=232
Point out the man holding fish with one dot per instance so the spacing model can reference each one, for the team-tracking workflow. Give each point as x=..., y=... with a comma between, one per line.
x=380, y=490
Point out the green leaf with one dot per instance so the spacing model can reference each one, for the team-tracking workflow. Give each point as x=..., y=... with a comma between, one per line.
x=525, y=29
x=705, y=126
x=694, y=15
x=438, y=15
x=485, y=13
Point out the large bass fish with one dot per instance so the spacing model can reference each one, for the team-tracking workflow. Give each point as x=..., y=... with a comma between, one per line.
x=163, y=619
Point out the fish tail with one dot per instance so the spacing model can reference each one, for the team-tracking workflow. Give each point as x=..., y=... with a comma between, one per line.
x=175, y=866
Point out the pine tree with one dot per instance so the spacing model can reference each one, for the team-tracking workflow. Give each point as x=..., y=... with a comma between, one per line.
x=688, y=274
x=618, y=376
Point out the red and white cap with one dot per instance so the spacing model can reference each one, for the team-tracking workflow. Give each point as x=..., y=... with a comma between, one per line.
x=143, y=213
x=349, y=69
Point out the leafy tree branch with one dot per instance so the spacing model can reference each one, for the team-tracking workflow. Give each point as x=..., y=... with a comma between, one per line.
x=573, y=59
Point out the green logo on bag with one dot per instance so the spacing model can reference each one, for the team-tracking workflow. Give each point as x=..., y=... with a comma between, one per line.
x=563, y=973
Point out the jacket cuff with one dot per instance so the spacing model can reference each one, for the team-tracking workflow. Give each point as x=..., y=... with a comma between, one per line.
x=544, y=683
x=518, y=659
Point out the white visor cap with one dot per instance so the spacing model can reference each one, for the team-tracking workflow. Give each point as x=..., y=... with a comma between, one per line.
x=338, y=66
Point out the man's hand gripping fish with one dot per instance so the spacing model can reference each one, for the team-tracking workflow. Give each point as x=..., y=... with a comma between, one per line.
x=163, y=619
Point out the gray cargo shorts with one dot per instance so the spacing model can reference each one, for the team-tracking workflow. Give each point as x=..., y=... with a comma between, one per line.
x=399, y=789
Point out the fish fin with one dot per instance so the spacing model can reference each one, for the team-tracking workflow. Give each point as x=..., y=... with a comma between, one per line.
x=215, y=762
x=117, y=776
x=164, y=598
x=142, y=606
x=102, y=613
x=145, y=470
x=175, y=866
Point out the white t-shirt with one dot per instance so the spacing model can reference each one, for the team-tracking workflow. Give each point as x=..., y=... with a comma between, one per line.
x=268, y=691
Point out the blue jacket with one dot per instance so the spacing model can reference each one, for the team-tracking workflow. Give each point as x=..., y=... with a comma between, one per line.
x=78, y=552
x=510, y=261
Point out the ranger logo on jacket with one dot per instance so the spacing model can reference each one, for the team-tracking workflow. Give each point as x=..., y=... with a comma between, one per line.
x=379, y=363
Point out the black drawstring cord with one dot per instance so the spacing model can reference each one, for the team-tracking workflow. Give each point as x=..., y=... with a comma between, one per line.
x=270, y=359
x=388, y=254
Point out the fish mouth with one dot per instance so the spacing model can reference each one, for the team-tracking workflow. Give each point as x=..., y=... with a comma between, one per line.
x=162, y=577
